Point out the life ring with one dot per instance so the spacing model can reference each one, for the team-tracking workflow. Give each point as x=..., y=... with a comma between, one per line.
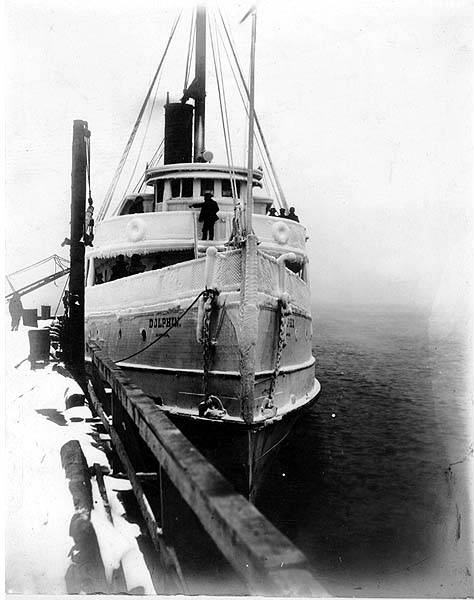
x=281, y=232
x=136, y=230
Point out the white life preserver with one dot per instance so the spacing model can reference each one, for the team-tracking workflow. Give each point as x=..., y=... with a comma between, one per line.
x=136, y=230
x=281, y=232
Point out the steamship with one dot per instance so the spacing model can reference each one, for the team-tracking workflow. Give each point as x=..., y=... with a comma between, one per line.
x=217, y=332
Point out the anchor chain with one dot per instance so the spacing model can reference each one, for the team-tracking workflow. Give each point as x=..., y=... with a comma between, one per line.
x=209, y=299
x=284, y=311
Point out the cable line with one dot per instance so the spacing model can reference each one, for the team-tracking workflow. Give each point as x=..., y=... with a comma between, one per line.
x=126, y=151
x=282, y=195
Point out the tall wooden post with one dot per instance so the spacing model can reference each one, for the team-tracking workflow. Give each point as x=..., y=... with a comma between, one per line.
x=75, y=328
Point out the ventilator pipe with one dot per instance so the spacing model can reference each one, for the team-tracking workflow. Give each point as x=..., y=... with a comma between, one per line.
x=281, y=261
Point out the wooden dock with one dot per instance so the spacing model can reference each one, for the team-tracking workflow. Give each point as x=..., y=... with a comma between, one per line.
x=147, y=441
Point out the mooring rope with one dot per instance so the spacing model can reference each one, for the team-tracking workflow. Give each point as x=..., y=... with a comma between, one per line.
x=165, y=332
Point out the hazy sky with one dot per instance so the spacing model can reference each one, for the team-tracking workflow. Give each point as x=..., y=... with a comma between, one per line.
x=366, y=106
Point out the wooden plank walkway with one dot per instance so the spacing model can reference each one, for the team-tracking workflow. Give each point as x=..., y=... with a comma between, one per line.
x=265, y=559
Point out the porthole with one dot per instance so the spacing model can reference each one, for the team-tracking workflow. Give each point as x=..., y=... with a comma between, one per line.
x=120, y=334
x=143, y=332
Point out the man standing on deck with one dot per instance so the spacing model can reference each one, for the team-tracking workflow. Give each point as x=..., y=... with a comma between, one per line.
x=208, y=215
x=16, y=310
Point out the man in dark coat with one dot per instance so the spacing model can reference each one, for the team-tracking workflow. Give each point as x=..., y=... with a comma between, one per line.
x=208, y=215
x=292, y=215
x=120, y=268
x=16, y=310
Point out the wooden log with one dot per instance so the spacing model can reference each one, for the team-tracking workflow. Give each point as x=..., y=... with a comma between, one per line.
x=86, y=574
x=251, y=544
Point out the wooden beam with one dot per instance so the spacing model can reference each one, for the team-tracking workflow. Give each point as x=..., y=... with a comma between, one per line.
x=167, y=556
x=264, y=557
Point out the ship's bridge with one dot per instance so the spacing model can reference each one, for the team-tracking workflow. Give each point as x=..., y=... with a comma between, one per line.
x=163, y=228
x=174, y=187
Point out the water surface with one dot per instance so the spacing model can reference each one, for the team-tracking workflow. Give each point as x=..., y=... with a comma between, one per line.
x=372, y=482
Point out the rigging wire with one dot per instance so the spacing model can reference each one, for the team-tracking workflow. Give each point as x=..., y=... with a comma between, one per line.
x=232, y=171
x=189, y=57
x=270, y=175
x=268, y=171
x=113, y=184
x=143, y=139
x=283, y=201
x=55, y=257
x=157, y=152
x=226, y=139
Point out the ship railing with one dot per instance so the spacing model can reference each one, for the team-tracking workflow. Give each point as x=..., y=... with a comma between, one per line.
x=275, y=279
x=171, y=284
x=146, y=232
x=263, y=558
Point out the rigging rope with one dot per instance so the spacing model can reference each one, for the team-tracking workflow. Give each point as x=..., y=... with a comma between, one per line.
x=143, y=139
x=55, y=257
x=232, y=171
x=113, y=184
x=165, y=332
x=189, y=57
x=257, y=122
x=224, y=128
x=261, y=152
x=156, y=156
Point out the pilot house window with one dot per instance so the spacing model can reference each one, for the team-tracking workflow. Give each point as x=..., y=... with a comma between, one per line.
x=175, y=188
x=227, y=189
x=187, y=188
x=182, y=188
x=207, y=185
x=159, y=186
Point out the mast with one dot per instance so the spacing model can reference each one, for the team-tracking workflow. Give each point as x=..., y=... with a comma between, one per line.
x=197, y=89
x=249, y=308
x=200, y=79
x=249, y=200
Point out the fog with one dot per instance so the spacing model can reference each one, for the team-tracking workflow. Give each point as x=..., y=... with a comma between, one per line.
x=366, y=107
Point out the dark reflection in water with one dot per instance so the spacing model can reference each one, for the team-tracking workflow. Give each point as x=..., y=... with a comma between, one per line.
x=372, y=482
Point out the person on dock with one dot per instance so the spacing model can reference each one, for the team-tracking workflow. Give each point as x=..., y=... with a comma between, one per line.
x=283, y=214
x=292, y=215
x=16, y=309
x=208, y=215
x=272, y=212
x=120, y=268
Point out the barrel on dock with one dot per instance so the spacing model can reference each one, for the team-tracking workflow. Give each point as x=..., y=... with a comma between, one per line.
x=45, y=311
x=39, y=346
x=30, y=317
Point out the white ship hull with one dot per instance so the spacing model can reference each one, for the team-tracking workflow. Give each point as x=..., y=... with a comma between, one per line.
x=128, y=318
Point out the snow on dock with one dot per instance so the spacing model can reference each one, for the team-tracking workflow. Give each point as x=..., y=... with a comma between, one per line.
x=39, y=504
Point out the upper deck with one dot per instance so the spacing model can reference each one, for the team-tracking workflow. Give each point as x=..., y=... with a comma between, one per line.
x=162, y=219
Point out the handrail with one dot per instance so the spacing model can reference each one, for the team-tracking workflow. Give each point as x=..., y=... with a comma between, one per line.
x=259, y=553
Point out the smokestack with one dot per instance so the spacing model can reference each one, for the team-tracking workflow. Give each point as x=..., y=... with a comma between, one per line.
x=178, y=133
